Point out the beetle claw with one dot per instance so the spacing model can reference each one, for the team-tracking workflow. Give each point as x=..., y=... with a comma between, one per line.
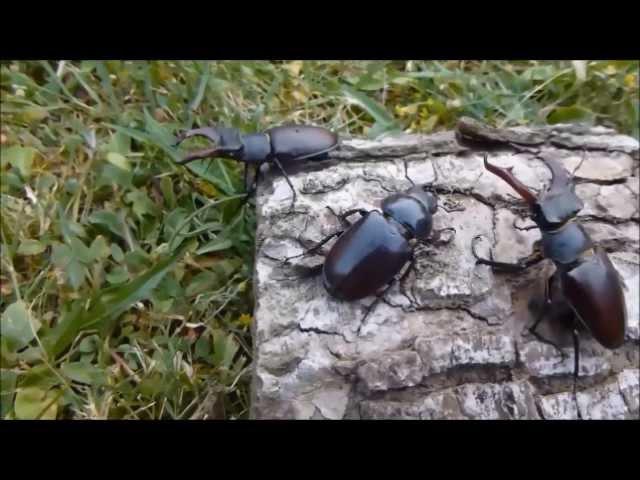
x=473, y=249
x=209, y=132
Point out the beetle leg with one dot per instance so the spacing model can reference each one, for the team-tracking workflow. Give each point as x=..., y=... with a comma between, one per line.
x=380, y=295
x=315, y=248
x=437, y=234
x=575, y=170
x=246, y=176
x=542, y=339
x=530, y=227
x=254, y=183
x=455, y=209
x=544, y=310
x=345, y=215
x=576, y=361
x=286, y=177
x=522, y=264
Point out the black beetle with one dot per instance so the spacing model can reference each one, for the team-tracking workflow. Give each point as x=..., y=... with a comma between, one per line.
x=278, y=145
x=370, y=254
x=585, y=287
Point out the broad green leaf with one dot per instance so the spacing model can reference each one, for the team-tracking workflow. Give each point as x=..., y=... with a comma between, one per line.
x=120, y=143
x=569, y=115
x=69, y=227
x=202, y=282
x=20, y=158
x=230, y=351
x=157, y=131
x=146, y=138
x=68, y=261
x=80, y=251
x=108, y=304
x=99, y=248
x=7, y=391
x=89, y=344
x=72, y=185
x=76, y=272
x=31, y=355
x=61, y=255
x=45, y=183
x=118, y=275
x=137, y=260
x=371, y=82
x=117, y=253
x=166, y=186
x=18, y=325
x=119, y=161
x=31, y=247
x=40, y=376
x=110, y=176
x=84, y=373
x=32, y=403
x=202, y=348
x=224, y=348
x=141, y=203
x=215, y=245
x=8, y=356
x=109, y=220
x=542, y=72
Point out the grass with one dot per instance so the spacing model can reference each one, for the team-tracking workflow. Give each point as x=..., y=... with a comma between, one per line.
x=126, y=280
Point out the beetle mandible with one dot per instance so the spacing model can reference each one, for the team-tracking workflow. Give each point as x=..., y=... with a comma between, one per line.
x=369, y=255
x=585, y=289
x=278, y=145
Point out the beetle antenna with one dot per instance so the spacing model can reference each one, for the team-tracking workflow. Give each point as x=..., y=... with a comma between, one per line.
x=576, y=361
x=584, y=156
x=406, y=173
x=435, y=171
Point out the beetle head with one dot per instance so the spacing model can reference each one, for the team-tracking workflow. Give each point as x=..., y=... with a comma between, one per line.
x=424, y=196
x=556, y=205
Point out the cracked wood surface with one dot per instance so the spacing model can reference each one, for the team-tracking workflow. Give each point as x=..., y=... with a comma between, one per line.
x=450, y=342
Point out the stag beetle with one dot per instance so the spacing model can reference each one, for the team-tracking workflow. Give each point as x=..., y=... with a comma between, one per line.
x=370, y=254
x=278, y=145
x=585, y=288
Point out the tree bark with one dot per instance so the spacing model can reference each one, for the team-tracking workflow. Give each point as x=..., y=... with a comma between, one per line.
x=451, y=341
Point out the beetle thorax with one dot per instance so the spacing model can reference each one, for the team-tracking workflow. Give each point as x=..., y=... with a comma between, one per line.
x=256, y=148
x=409, y=212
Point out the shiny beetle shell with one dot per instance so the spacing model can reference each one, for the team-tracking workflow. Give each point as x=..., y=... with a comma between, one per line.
x=298, y=142
x=594, y=291
x=365, y=258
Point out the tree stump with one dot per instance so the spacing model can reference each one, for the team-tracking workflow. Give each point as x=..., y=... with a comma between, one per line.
x=452, y=340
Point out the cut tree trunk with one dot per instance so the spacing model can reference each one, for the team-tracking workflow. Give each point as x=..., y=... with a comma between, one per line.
x=451, y=341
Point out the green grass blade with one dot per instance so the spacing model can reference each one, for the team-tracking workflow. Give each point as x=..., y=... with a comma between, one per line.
x=373, y=108
x=108, y=304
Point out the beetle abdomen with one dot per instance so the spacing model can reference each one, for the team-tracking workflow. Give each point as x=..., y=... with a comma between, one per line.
x=365, y=258
x=594, y=291
x=297, y=142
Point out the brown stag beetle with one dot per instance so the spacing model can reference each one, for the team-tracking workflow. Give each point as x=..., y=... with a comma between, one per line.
x=279, y=145
x=369, y=255
x=585, y=288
